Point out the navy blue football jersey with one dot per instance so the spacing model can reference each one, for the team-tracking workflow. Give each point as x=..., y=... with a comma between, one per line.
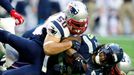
x=88, y=46
x=6, y=4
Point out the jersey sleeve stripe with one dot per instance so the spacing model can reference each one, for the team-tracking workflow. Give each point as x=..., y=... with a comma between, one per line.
x=93, y=41
x=59, y=28
x=89, y=44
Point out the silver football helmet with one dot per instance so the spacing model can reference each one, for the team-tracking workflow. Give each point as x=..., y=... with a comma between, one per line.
x=77, y=17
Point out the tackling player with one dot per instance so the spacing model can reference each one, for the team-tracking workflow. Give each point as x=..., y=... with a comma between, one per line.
x=48, y=37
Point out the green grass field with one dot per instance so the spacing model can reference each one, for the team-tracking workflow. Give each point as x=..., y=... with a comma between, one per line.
x=126, y=42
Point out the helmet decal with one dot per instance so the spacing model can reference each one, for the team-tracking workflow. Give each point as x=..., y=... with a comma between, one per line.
x=73, y=10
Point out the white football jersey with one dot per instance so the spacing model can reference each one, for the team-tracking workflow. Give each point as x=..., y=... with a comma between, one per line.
x=55, y=25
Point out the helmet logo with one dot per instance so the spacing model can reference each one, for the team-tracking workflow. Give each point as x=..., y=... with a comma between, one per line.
x=73, y=10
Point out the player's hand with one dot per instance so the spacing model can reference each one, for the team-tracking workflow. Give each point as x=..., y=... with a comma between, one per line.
x=78, y=63
x=17, y=17
x=75, y=45
x=76, y=41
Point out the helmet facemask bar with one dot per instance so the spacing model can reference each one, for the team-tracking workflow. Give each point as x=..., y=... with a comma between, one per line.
x=77, y=27
x=107, y=53
x=100, y=58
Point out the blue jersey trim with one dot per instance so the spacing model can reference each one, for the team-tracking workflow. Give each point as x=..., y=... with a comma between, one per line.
x=93, y=40
x=59, y=28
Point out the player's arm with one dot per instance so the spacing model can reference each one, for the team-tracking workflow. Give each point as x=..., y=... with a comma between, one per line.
x=52, y=45
x=7, y=5
x=77, y=61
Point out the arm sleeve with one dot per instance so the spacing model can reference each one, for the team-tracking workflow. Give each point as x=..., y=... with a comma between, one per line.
x=53, y=30
x=6, y=5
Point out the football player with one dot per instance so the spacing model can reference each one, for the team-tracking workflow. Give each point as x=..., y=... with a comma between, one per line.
x=91, y=58
x=46, y=38
x=95, y=59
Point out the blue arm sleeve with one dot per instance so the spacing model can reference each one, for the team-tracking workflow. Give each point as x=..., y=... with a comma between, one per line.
x=6, y=5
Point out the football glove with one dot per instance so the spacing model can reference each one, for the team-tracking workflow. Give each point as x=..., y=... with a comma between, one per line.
x=78, y=62
x=75, y=45
x=17, y=17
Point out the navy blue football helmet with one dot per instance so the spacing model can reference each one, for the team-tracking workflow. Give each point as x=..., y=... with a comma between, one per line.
x=113, y=53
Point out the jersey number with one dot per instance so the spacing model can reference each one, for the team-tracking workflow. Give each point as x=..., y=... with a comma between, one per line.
x=62, y=21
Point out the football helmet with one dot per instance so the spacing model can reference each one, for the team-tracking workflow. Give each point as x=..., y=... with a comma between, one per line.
x=77, y=17
x=113, y=54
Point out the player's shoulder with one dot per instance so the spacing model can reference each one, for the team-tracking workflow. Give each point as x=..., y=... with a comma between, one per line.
x=89, y=37
x=90, y=41
x=56, y=25
x=57, y=15
x=56, y=19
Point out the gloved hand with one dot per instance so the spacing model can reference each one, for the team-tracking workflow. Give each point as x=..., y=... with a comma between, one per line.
x=17, y=17
x=78, y=63
x=75, y=45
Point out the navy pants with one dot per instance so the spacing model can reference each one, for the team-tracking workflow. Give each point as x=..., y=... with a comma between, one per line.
x=29, y=51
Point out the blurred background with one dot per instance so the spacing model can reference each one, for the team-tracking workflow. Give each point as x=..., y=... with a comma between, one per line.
x=109, y=20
